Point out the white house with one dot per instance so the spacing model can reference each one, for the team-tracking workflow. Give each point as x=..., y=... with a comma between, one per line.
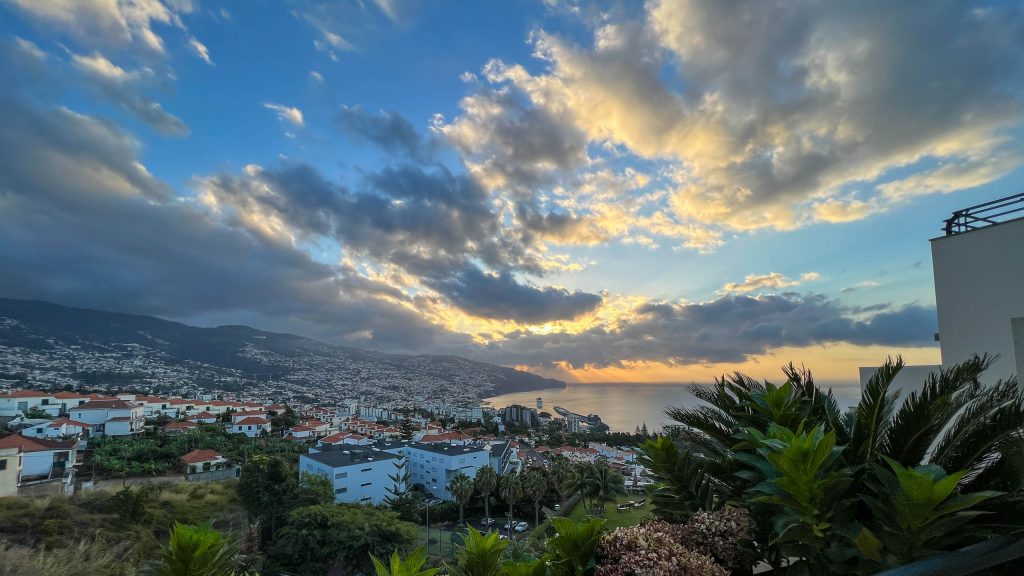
x=198, y=461
x=21, y=401
x=251, y=426
x=345, y=438
x=203, y=417
x=42, y=459
x=359, y=474
x=10, y=471
x=60, y=428
x=115, y=417
x=243, y=414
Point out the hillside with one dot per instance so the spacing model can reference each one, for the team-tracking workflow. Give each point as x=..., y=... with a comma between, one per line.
x=58, y=345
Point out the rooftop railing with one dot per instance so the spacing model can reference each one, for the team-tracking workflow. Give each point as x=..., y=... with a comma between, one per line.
x=985, y=214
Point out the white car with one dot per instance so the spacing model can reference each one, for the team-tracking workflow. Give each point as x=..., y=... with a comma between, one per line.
x=522, y=527
x=487, y=522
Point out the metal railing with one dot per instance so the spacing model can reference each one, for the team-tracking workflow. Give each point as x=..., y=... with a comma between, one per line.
x=985, y=214
x=1005, y=554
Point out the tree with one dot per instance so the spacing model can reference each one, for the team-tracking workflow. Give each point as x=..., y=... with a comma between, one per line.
x=267, y=488
x=316, y=539
x=486, y=482
x=535, y=487
x=462, y=489
x=195, y=551
x=578, y=482
x=511, y=490
x=560, y=474
x=400, y=496
x=605, y=483
x=406, y=430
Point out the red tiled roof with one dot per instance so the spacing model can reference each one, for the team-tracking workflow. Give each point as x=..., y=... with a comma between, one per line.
x=197, y=456
x=180, y=426
x=57, y=423
x=252, y=420
x=26, y=394
x=105, y=404
x=69, y=396
x=249, y=413
x=202, y=416
x=27, y=444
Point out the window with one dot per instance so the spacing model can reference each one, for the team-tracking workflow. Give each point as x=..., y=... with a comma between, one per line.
x=341, y=475
x=3, y=464
x=366, y=469
x=365, y=484
x=340, y=490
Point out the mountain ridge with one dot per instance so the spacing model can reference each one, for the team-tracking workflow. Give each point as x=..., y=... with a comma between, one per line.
x=119, y=341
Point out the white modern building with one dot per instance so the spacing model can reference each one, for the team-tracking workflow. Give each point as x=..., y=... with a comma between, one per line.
x=251, y=426
x=359, y=474
x=979, y=285
x=432, y=466
x=978, y=267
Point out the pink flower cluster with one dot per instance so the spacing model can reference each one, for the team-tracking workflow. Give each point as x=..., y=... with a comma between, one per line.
x=653, y=549
x=724, y=535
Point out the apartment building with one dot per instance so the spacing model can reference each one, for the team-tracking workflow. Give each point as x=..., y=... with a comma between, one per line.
x=359, y=474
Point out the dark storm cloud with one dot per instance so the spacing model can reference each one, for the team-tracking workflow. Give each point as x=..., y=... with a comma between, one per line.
x=501, y=296
x=83, y=223
x=388, y=130
x=729, y=329
x=424, y=219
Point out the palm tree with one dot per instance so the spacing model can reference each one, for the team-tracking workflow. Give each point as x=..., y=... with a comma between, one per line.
x=462, y=490
x=511, y=490
x=559, y=475
x=535, y=486
x=195, y=551
x=486, y=481
x=605, y=483
x=579, y=482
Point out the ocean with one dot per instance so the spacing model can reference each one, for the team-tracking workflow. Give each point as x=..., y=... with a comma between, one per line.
x=623, y=406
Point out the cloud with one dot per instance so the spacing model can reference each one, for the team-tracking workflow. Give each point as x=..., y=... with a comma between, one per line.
x=861, y=286
x=772, y=280
x=200, y=50
x=286, y=113
x=810, y=123
x=388, y=130
x=316, y=76
x=344, y=25
x=730, y=329
x=501, y=296
x=94, y=228
x=124, y=88
x=105, y=22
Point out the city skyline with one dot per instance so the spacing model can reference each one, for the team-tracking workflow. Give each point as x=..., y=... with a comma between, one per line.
x=594, y=192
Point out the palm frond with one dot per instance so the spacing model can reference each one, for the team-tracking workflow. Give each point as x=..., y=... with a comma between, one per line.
x=873, y=413
x=925, y=413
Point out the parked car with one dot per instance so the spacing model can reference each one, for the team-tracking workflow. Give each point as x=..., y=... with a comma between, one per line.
x=522, y=527
x=558, y=506
x=487, y=522
x=509, y=525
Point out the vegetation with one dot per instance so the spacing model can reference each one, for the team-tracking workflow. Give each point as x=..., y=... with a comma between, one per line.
x=462, y=490
x=486, y=482
x=411, y=566
x=883, y=485
x=319, y=538
x=195, y=551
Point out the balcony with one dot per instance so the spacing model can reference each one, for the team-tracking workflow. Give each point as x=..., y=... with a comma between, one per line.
x=985, y=214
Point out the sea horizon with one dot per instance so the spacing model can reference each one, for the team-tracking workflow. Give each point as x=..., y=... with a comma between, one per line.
x=625, y=405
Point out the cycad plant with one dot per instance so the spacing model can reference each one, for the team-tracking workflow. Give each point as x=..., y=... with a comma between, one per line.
x=479, y=555
x=803, y=467
x=195, y=551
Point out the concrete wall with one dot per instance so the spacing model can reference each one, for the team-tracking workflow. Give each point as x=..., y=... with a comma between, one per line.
x=909, y=379
x=10, y=458
x=1017, y=326
x=979, y=288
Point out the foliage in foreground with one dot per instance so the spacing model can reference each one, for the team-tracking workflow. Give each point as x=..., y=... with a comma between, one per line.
x=195, y=551
x=89, y=558
x=885, y=484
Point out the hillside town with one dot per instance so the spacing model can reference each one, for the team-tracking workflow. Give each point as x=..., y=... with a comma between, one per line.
x=51, y=436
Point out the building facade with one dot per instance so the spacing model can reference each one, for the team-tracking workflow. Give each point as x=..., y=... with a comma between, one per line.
x=358, y=474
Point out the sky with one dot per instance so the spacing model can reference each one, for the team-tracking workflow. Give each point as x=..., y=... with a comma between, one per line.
x=656, y=191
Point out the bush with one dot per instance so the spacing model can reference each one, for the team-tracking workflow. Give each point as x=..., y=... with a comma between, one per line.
x=725, y=535
x=653, y=549
x=89, y=558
